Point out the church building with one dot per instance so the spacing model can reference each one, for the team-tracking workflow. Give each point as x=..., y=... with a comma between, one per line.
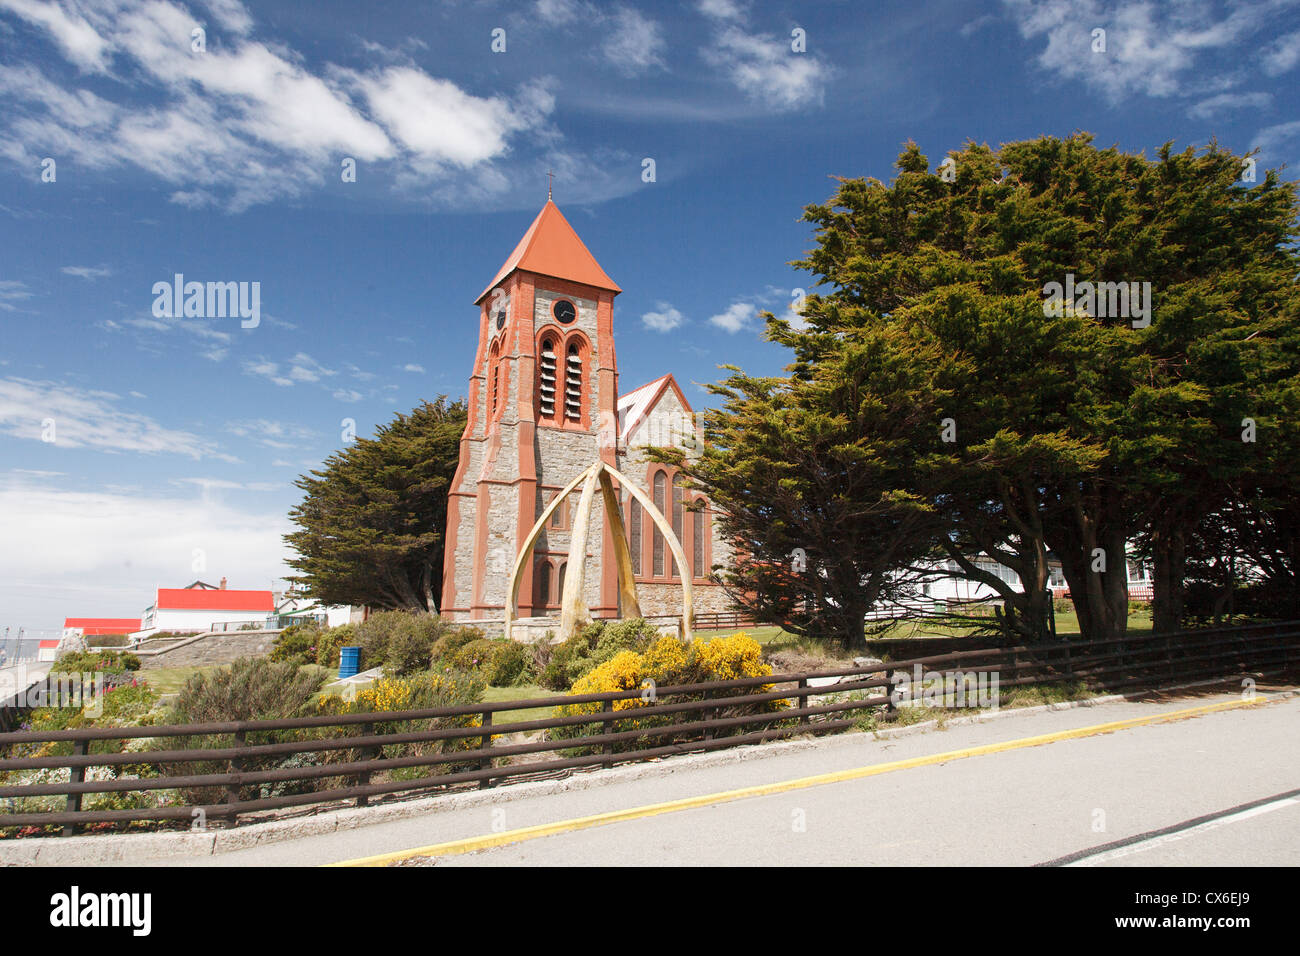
x=544, y=403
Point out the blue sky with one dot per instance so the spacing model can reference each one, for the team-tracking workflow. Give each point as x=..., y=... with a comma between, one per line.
x=176, y=441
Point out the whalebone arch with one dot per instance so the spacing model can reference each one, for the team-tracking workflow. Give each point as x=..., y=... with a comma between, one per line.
x=574, y=612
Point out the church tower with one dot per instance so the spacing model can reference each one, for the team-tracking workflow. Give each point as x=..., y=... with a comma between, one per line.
x=542, y=407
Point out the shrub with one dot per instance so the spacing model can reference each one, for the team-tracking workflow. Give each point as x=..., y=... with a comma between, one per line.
x=108, y=640
x=417, y=692
x=252, y=688
x=110, y=662
x=730, y=658
x=249, y=689
x=401, y=641
x=445, y=647
x=503, y=663
x=597, y=643
x=667, y=661
x=297, y=644
x=330, y=642
x=511, y=664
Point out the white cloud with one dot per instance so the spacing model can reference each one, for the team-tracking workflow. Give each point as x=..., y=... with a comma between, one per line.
x=102, y=553
x=766, y=69
x=1229, y=102
x=304, y=368
x=665, y=319
x=412, y=367
x=559, y=11
x=734, y=318
x=80, y=42
x=301, y=368
x=721, y=9
x=12, y=291
x=88, y=272
x=246, y=121
x=635, y=43
x=272, y=434
x=89, y=419
x=266, y=370
x=209, y=485
x=436, y=120
x=1279, y=143
x=1282, y=54
x=1151, y=50
x=348, y=395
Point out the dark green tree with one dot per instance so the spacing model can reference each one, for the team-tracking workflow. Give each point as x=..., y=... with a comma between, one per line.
x=810, y=475
x=372, y=519
x=1080, y=426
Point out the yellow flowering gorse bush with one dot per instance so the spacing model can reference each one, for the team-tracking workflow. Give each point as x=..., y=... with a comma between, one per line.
x=668, y=661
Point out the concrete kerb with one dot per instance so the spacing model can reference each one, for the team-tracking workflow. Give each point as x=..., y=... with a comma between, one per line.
x=131, y=847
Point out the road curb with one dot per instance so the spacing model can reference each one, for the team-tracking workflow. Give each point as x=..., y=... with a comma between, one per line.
x=116, y=849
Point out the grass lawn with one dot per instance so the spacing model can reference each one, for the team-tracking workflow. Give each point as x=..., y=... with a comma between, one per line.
x=524, y=692
x=770, y=635
x=169, y=680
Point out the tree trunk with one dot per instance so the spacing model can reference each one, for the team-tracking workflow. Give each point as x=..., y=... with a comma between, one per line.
x=1169, y=554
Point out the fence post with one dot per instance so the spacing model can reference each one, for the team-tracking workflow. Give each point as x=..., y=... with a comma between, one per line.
x=889, y=691
x=605, y=726
x=367, y=753
x=79, y=749
x=802, y=700
x=485, y=743
x=232, y=789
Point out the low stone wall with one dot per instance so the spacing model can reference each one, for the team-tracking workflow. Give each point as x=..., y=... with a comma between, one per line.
x=220, y=648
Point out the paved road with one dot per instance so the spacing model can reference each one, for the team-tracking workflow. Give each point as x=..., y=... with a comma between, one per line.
x=1020, y=806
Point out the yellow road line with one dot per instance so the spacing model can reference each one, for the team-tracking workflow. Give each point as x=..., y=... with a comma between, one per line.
x=471, y=844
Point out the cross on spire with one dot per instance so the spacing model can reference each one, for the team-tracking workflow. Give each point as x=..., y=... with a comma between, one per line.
x=550, y=179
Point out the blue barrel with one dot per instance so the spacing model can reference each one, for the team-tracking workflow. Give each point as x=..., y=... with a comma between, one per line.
x=349, y=661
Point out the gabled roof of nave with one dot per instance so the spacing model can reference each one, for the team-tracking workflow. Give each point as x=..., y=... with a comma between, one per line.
x=635, y=406
x=550, y=247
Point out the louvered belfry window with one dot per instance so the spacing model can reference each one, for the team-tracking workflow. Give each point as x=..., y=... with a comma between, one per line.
x=547, y=376
x=573, y=385
x=494, y=370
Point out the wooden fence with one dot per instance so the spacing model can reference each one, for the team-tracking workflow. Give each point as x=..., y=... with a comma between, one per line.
x=247, y=767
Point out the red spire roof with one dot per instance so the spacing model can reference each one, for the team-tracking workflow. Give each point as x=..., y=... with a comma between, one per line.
x=550, y=247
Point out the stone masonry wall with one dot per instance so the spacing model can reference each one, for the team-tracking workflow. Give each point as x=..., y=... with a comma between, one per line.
x=212, y=649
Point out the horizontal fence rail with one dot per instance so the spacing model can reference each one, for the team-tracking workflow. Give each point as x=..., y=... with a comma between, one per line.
x=219, y=771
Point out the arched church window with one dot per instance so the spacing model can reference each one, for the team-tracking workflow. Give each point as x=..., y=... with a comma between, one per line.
x=559, y=587
x=679, y=498
x=573, y=384
x=560, y=516
x=657, y=548
x=697, y=550
x=542, y=584
x=634, y=534
x=546, y=376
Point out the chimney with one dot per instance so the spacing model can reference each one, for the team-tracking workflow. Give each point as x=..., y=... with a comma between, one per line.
x=222, y=586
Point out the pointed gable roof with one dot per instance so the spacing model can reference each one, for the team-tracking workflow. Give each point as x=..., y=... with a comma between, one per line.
x=635, y=406
x=550, y=247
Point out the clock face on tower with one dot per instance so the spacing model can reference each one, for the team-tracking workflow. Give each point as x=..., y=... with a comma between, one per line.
x=564, y=311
